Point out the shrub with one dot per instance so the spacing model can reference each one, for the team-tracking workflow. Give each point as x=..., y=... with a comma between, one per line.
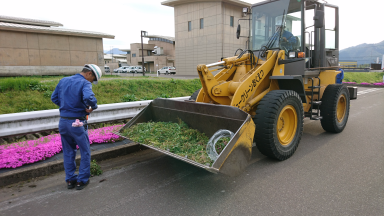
x=48, y=93
x=164, y=96
x=38, y=87
x=95, y=169
x=129, y=98
x=147, y=98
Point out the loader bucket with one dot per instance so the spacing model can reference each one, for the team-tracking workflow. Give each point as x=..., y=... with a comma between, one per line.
x=206, y=118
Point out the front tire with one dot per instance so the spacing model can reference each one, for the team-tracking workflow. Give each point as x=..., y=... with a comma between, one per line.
x=279, y=123
x=335, y=108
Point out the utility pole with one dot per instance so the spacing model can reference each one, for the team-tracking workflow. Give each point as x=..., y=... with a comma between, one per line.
x=143, y=33
x=112, y=54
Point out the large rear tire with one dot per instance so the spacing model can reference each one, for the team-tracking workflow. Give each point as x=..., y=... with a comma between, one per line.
x=279, y=123
x=335, y=108
x=194, y=95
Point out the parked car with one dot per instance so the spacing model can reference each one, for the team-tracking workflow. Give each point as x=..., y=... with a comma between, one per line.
x=167, y=70
x=138, y=69
x=107, y=69
x=121, y=69
x=131, y=69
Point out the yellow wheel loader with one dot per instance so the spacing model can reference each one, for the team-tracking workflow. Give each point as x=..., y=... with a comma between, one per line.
x=287, y=72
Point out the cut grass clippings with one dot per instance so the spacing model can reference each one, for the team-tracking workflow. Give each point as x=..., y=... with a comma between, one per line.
x=221, y=143
x=176, y=138
x=25, y=94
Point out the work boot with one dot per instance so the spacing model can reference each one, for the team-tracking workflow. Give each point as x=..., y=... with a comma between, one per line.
x=81, y=185
x=71, y=184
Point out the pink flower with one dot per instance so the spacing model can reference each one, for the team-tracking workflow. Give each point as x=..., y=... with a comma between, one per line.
x=17, y=154
x=77, y=123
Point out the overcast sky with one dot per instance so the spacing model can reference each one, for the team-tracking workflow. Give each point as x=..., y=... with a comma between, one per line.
x=360, y=21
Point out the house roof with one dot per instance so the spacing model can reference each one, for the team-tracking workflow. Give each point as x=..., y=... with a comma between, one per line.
x=52, y=30
x=27, y=21
x=163, y=37
x=173, y=3
x=109, y=56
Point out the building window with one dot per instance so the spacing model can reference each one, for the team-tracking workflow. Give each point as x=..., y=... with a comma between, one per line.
x=189, y=26
x=149, y=52
x=133, y=54
x=201, y=23
x=231, y=21
x=128, y=52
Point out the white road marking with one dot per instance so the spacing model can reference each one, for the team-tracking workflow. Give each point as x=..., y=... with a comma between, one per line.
x=368, y=91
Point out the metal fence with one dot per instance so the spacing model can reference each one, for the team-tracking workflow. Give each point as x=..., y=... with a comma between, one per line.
x=37, y=121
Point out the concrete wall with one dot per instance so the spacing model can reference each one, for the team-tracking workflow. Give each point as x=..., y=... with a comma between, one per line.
x=112, y=66
x=23, y=53
x=217, y=39
x=230, y=42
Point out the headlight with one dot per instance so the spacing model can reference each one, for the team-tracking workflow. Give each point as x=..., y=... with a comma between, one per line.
x=292, y=54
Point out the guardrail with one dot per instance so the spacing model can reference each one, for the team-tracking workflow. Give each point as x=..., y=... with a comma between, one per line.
x=45, y=120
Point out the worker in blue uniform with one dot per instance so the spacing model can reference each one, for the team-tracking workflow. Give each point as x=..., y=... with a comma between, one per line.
x=288, y=40
x=76, y=100
x=340, y=76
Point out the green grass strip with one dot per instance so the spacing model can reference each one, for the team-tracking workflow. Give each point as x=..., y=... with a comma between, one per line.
x=25, y=94
x=360, y=77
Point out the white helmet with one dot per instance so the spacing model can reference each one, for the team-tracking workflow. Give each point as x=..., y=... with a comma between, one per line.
x=96, y=70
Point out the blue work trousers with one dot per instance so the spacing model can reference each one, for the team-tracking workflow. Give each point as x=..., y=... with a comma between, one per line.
x=70, y=137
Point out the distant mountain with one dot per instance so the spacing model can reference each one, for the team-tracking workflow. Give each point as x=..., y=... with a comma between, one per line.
x=114, y=51
x=363, y=53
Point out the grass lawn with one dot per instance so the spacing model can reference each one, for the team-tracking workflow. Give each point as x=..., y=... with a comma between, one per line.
x=23, y=94
x=359, y=77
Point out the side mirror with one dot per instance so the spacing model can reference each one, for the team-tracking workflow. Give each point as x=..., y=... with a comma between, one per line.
x=319, y=16
x=238, y=31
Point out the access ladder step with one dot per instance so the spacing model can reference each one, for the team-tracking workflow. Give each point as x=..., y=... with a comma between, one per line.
x=316, y=117
x=310, y=93
x=313, y=117
x=317, y=103
x=315, y=87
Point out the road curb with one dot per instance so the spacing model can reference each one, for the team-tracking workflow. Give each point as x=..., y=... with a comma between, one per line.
x=26, y=173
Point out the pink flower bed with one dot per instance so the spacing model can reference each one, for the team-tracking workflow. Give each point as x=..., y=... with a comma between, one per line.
x=364, y=83
x=378, y=84
x=17, y=154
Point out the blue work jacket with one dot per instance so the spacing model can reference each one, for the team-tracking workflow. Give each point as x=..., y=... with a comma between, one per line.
x=73, y=94
x=290, y=39
x=340, y=76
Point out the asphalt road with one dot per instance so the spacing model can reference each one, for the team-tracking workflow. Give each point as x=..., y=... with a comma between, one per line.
x=330, y=174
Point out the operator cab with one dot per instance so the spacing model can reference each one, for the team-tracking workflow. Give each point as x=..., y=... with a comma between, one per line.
x=285, y=25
